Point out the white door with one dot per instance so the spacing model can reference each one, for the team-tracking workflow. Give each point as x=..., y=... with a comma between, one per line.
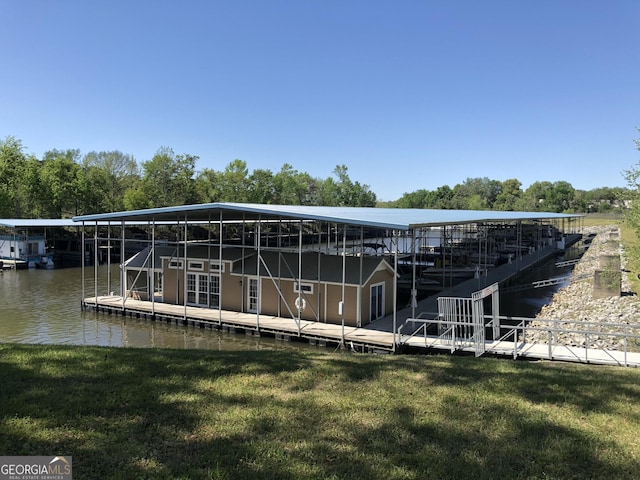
x=192, y=288
x=377, y=301
x=203, y=289
x=198, y=288
x=252, y=295
x=214, y=291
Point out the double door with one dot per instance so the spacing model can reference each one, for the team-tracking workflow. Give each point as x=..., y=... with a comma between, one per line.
x=203, y=289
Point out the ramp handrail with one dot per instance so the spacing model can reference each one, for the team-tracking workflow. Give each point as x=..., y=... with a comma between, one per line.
x=517, y=335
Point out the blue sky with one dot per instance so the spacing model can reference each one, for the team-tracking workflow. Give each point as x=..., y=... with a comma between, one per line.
x=407, y=94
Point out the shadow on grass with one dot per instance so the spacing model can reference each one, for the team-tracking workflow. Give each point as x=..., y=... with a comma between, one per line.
x=125, y=413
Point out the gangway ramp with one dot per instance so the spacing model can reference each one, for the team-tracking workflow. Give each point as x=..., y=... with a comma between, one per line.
x=513, y=341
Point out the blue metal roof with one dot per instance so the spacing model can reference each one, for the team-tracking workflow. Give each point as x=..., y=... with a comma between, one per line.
x=37, y=222
x=388, y=218
x=50, y=222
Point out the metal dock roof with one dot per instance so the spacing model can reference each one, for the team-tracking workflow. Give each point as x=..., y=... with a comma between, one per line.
x=37, y=222
x=390, y=218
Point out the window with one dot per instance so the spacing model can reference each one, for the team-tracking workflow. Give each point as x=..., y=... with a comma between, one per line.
x=214, y=291
x=198, y=266
x=192, y=287
x=252, y=294
x=203, y=289
x=301, y=287
x=175, y=264
x=216, y=266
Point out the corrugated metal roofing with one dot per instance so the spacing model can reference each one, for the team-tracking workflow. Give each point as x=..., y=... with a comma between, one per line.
x=53, y=222
x=37, y=222
x=389, y=218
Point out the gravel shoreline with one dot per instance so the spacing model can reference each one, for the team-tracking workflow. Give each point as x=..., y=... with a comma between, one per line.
x=574, y=304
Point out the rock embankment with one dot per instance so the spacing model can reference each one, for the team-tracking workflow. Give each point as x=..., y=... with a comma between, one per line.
x=575, y=304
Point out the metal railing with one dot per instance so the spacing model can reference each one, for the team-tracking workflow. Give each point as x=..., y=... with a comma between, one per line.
x=519, y=339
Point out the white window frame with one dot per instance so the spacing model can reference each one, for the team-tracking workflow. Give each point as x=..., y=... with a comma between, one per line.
x=253, y=302
x=216, y=266
x=307, y=288
x=196, y=265
x=191, y=289
x=214, y=290
x=176, y=264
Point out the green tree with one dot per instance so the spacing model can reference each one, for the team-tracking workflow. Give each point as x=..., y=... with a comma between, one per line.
x=509, y=195
x=167, y=180
x=13, y=173
x=109, y=174
x=476, y=193
x=561, y=197
x=418, y=199
x=261, y=187
x=62, y=183
x=352, y=194
x=234, y=182
x=292, y=187
x=632, y=176
x=209, y=186
x=548, y=197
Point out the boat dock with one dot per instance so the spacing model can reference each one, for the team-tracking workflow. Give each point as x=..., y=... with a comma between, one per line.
x=412, y=324
x=361, y=340
x=358, y=339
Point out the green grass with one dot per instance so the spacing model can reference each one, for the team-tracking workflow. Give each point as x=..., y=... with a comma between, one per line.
x=143, y=413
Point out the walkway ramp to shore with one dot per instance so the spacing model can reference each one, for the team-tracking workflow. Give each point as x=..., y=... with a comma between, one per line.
x=514, y=342
x=501, y=274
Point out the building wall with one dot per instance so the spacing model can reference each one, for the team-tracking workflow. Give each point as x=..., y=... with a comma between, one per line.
x=350, y=307
x=321, y=304
x=230, y=286
x=21, y=248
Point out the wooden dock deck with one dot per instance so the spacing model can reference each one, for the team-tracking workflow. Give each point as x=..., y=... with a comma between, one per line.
x=358, y=339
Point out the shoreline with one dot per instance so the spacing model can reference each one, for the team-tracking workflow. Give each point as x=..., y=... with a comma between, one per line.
x=575, y=302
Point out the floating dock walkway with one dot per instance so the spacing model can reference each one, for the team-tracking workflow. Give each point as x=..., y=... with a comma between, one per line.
x=358, y=339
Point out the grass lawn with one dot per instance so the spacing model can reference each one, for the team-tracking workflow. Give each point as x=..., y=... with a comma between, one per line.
x=145, y=413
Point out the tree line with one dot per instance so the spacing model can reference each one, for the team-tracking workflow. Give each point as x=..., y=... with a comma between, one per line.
x=64, y=183
x=486, y=194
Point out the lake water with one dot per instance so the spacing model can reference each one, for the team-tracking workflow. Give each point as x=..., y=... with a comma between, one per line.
x=43, y=306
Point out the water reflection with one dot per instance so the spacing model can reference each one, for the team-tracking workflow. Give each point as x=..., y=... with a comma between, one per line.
x=43, y=306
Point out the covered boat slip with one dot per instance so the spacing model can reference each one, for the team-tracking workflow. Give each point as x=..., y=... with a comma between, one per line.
x=296, y=270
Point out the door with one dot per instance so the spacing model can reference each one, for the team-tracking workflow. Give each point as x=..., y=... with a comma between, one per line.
x=377, y=301
x=203, y=289
x=214, y=291
x=252, y=295
x=192, y=288
x=198, y=288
